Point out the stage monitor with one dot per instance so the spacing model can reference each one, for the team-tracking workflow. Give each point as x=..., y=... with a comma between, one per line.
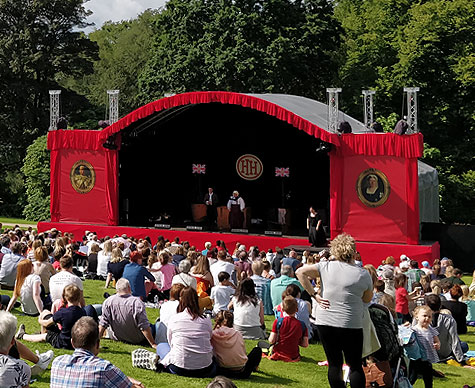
x=194, y=228
x=273, y=233
x=241, y=231
x=162, y=226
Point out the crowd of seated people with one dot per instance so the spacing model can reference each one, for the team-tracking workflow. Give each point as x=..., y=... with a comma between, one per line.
x=323, y=295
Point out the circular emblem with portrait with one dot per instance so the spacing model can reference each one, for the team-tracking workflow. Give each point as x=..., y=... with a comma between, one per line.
x=83, y=176
x=373, y=187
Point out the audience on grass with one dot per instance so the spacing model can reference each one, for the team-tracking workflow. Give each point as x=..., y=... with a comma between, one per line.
x=183, y=335
x=230, y=351
x=125, y=319
x=83, y=368
x=248, y=311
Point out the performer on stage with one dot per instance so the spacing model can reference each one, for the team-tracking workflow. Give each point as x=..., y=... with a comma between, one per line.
x=236, y=207
x=316, y=234
x=211, y=201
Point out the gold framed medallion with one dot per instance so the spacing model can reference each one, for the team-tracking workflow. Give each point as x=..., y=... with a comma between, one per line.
x=373, y=187
x=82, y=176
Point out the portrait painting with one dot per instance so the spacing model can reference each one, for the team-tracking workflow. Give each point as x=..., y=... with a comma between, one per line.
x=82, y=176
x=373, y=187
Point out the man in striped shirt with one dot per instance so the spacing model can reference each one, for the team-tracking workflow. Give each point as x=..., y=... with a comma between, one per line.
x=83, y=368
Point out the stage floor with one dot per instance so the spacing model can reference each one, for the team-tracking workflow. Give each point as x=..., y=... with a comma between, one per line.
x=371, y=252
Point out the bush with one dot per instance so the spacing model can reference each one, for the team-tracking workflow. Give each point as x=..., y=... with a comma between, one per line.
x=36, y=169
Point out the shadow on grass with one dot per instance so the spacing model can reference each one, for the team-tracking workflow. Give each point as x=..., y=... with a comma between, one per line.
x=266, y=378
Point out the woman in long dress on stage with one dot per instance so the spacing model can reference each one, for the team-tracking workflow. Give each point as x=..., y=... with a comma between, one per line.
x=236, y=207
x=316, y=234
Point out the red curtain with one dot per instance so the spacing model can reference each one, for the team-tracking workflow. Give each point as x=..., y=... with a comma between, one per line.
x=112, y=187
x=55, y=192
x=412, y=199
x=336, y=193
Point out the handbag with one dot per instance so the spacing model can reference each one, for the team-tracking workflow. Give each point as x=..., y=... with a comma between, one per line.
x=378, y=374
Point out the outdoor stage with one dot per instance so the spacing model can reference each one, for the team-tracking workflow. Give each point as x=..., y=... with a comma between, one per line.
x=371, y=253
x=276, y=150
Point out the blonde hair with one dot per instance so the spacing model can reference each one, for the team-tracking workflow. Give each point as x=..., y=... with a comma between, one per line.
x=466, y=292
x=421, y=308
x=343, y=247
x=116, y=255
x=449, y=271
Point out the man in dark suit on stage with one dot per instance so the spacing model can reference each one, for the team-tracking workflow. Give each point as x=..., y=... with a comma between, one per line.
x=211, y=201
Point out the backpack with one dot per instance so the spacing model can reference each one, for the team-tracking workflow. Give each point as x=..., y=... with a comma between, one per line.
x=387, y=334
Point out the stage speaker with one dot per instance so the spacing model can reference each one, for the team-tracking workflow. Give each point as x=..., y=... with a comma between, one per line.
x=273, y=233
x=194, y=227
x=241, y=231
x=162, y=226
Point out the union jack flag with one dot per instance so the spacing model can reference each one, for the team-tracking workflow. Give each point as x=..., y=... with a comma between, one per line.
x=198, y=168
x=282, y=171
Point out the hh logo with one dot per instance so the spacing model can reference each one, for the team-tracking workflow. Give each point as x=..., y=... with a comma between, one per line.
x=249, y=167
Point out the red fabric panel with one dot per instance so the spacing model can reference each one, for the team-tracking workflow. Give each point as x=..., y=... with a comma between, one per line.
x=223, y=98
x=412, y=195
x=112, y=186
x=90, y=207
x=75, y=139
x=387, y=222
x=336, y=193
x=382, y=144
x=55, y=192
x=372, y=253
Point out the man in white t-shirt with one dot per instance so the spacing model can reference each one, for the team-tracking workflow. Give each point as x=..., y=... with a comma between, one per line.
x=222, y=266
x=64, y=278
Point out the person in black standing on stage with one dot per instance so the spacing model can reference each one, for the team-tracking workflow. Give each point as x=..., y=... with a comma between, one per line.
x=316, y=234
x=211, y=201
x=236, y=207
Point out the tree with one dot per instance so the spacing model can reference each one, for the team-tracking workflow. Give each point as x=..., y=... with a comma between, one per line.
x=277, y=46
x=39, y=46
x=37, y=181
x=389, y=44
x=124, y=49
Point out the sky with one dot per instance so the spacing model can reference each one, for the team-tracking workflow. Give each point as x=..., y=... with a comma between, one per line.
x=116, y=10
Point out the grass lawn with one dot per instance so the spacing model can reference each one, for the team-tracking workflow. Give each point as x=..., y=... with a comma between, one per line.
x=271, y=373
x=19, y=221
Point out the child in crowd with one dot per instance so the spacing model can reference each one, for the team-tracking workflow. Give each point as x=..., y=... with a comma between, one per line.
x=221, y=294
x=403, y=298
x=167, y=310
x=427, y=337
x=230, y=350
x=166, y=272
x=66, y=317
x=304, y=307
x=288, y=333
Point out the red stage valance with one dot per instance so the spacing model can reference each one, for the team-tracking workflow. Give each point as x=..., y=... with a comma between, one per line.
x=381, y=144
x=76, y=139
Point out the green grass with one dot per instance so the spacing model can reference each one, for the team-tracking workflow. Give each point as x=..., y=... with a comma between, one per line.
x=19, y=221
x=271, y=373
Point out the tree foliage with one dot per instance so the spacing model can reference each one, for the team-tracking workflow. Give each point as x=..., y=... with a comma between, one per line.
x=389, y=44
x=40, y=45
x=275, y=46
x=36, y=169
x=124, y=49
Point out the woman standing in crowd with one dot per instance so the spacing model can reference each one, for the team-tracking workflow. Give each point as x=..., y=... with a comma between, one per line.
x=346, y=288
x=248, y=311
x=189, y=352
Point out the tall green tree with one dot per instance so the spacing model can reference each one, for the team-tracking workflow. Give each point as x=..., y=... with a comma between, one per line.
x=277, y=46
x=389, y=44
x=40, y=44
x=124, y=49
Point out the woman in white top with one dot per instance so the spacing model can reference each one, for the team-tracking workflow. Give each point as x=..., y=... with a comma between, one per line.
x=28, y=288
x=103, y=258
x=345, y=289
x=248, y=311
x=189, y=334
